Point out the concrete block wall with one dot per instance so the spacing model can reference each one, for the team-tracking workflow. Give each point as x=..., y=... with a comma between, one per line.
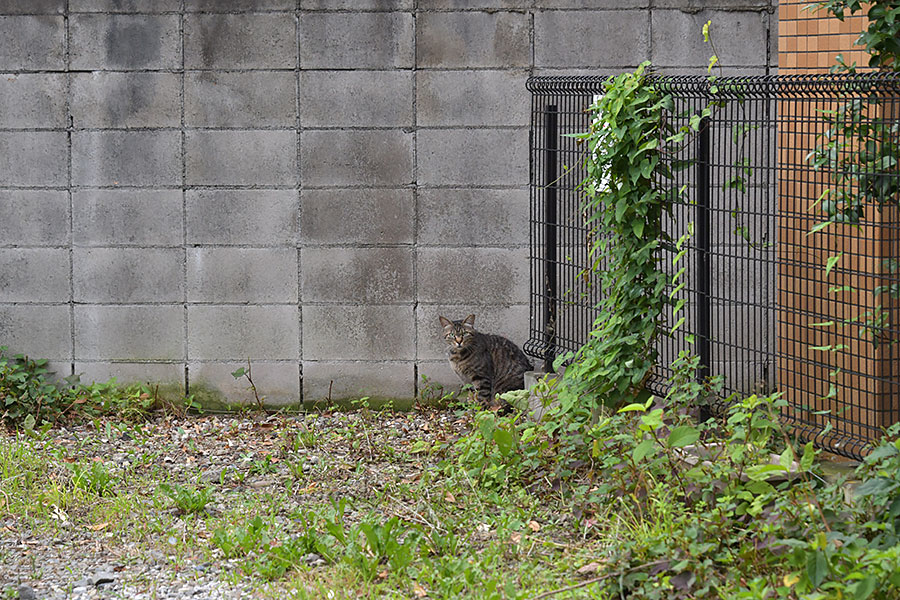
x=308, y=184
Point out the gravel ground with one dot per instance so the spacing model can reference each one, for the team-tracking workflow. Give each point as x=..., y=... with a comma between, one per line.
x=244, y=459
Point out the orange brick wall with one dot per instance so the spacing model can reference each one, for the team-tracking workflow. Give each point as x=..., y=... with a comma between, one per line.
x=810, y=39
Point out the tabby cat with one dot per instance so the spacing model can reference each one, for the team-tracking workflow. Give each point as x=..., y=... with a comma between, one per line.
x=491, y=363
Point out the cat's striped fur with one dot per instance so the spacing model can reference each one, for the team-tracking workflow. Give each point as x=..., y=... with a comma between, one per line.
x=491, y=363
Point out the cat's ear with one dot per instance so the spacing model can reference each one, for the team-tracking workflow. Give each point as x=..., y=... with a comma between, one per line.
x=445, y=322
x=470, y=321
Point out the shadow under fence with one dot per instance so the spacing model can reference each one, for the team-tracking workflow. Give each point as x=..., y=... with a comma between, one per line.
x=793, y=279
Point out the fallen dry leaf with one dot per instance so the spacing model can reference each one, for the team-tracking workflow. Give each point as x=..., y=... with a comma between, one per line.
x=449, y=498
x=418, y=590
x=589, y=569
x=98, y=526
x=534, y=526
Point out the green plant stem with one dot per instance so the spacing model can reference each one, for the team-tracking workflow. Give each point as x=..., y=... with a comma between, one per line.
x=598, y=579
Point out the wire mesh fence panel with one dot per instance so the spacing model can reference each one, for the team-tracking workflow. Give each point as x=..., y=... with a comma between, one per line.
x=777, y=299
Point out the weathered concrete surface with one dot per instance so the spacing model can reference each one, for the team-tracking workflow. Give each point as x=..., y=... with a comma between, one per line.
x=186, y=184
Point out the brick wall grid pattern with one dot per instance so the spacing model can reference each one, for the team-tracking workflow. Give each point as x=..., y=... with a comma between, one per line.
x=186, y=184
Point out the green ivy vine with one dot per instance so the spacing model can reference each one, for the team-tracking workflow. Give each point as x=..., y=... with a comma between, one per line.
x=625, y=207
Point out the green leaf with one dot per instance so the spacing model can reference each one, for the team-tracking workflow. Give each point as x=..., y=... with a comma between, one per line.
x=831, y=262
x=809, y=455
x=505, y=441
x=863, y=588
x=638, y=228
x=786, y=459
x=682, y=436
x=642, y=450
x=816, y=567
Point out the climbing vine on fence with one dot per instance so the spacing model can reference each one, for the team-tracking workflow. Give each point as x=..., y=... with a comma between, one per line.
x=625, y=207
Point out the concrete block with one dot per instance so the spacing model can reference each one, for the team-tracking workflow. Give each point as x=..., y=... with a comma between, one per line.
x=127, y=217
x=34, y=218
x=145, y=158
x=136, y=333
x=366, y=216
x=676, y=39
x=617, y=38
x=356, y=157
x=118, y=100
x=509, y=321
x=470, y=276
x=242, y=275
x=33, y=100
x=749, y=327
x=239, y=5
x=33, y=158
x=454, y=98
x=241, y=332
x=357, y=275
x=128, y=275
x=369, y=40
x=727, y=4
x=473, y=157
x=234, y=217
x=246, y=99
x=241, y=157
x=32, y=43
x=166, y=375
x=475, y=4
x=473, y=39
x=124, y=42
x=257, y=41
x=356, y=98
x=455, y=217
x=34, y=275
x=383, y=5
x=32, y=7
x=342, y=332
x=277, y=384
x=436, y=379
x=344, y=380
x=124, y=6
x=37, y=331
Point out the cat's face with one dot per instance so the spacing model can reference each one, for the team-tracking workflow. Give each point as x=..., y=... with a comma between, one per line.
x=458, y=334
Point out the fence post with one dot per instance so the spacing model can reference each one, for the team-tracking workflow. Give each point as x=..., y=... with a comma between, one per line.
x=551, y=145
x=703, y=259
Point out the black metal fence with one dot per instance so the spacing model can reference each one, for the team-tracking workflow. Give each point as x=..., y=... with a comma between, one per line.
x=772, y=305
